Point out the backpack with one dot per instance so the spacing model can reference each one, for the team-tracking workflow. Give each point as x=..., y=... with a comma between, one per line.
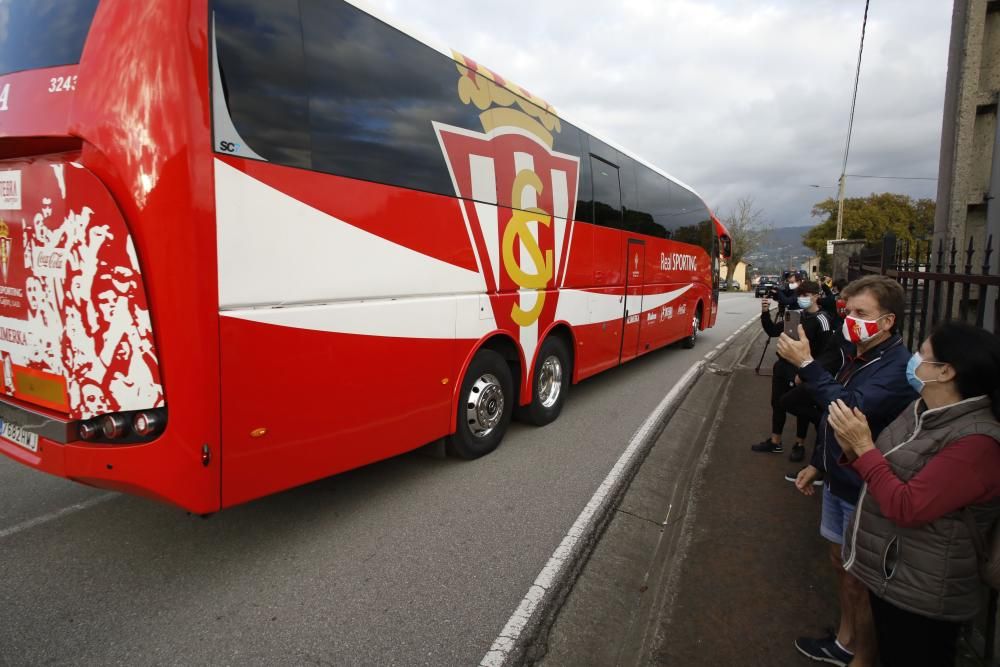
x=987, y=550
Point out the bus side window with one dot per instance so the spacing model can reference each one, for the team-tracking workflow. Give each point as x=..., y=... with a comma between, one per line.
x=375, y=96
x=585, y=194
x=265, y=84
x=649, y=214
x=607, y=194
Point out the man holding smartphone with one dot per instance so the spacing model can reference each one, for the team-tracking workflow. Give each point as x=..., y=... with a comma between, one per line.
x=818, y=329
x=872, y=378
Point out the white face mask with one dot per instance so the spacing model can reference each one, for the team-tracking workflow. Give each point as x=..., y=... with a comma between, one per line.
x=793, y=286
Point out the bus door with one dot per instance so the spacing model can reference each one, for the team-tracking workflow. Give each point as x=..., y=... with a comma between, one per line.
x=635, y=258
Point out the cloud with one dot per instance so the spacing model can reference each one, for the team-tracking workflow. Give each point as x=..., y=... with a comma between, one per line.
x=734, y=97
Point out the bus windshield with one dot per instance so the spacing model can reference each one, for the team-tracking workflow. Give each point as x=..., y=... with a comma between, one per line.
x=35, y=34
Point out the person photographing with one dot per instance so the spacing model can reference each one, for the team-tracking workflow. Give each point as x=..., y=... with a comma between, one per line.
x=818, y=329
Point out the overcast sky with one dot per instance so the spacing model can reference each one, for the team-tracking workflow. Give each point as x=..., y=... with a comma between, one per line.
x=734, y=97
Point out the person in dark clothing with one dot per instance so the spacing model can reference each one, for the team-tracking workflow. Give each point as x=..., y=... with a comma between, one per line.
x=818, y=330
x=787, y=294
x=872, y=378
x=800, y=401
x=830, y=297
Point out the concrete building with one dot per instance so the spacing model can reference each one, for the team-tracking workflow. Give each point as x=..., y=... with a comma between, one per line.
x=968, y=199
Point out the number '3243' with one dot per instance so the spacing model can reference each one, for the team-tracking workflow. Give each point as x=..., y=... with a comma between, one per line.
x=62, y=84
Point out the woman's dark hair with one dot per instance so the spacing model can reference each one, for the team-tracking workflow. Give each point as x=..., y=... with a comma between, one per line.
x=974, y=353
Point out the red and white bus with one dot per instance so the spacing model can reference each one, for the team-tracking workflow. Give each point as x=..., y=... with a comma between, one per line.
x=247, y=244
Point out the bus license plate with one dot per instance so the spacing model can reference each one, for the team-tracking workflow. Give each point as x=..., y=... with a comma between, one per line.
x=18, y=435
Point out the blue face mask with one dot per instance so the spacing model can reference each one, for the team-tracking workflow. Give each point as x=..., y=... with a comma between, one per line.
x=805, y=302
x=911, y=372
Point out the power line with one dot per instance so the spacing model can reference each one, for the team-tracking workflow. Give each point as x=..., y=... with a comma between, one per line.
x=895, y=178
x=850, y=128
x=854, y=99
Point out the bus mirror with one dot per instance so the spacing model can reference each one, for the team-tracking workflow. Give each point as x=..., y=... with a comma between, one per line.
x=727, y=246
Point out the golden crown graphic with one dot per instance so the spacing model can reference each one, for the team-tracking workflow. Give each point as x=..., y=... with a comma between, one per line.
x=4, y=230
x=503, y=103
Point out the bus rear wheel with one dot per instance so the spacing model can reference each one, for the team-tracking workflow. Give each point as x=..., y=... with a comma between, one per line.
x=486, y=402
x=689, y=342
x=549, y=384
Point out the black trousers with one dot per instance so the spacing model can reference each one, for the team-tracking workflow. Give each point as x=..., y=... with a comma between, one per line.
x=783, y=387
x=906, y=639
x=799, y=402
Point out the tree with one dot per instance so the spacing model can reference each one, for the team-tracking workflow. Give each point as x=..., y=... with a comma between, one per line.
x=747, y=229
x=871, y=218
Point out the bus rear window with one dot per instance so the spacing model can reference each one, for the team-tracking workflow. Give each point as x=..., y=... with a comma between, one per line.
x=35, y=34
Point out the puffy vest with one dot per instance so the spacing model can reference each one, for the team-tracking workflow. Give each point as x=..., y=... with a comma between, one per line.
x=931, y=570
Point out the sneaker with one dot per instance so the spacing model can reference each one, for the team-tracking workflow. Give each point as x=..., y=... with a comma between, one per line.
x=798, y=454
x=824, y=650
x=768, y=447
x=792, y=476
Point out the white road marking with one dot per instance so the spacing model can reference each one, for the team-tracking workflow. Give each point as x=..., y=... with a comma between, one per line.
x=52, y=516
x=504, y=645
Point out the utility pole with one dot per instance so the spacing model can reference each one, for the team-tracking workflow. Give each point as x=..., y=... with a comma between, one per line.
x=840, y=207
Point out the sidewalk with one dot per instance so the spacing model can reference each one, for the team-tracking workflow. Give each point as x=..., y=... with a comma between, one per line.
x=757, y=573
x=712, y=558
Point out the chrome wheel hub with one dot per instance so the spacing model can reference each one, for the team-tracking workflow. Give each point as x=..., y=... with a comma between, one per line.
x=550, y=381
x=484, y=405
x=694, y=326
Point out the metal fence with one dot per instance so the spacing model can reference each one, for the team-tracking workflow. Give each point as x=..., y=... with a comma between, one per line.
x=946, y=284
x=941, y=286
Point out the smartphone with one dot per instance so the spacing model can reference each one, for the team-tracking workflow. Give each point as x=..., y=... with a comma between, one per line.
x=792, y=319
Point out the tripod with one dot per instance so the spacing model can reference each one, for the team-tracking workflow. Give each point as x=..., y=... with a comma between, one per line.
x=781, y=313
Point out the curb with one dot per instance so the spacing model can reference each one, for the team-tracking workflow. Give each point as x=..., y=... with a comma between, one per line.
x=554, y=581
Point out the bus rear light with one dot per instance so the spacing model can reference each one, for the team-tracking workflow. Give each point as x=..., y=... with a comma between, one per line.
x=114, y=427
x=147, y=423
x=89, y=430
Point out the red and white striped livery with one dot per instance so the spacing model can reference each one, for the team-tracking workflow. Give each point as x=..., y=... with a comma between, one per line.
x=247, y=244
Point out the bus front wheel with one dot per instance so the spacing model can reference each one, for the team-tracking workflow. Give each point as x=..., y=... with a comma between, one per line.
x=486, y=402
x=549, y=384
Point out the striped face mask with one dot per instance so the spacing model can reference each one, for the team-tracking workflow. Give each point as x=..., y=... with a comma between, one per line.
x=858, y=331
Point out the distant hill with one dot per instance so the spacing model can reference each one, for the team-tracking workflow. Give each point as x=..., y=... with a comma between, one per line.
x=781, y=248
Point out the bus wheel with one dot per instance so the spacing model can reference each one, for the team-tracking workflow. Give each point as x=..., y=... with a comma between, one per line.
x=689, y=342
x=485, y=408
x=549, y=384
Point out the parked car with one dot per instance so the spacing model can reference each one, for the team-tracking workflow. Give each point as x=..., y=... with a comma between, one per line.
x=734, y=285
x=767, y=284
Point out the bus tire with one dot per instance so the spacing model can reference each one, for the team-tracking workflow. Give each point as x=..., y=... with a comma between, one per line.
x=549, y=384
x=689, y=342
x=485, y=406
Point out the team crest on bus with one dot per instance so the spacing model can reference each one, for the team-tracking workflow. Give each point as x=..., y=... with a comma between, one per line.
x=518, y=195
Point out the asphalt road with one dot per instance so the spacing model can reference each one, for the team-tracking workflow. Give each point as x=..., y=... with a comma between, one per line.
x=412, y=561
